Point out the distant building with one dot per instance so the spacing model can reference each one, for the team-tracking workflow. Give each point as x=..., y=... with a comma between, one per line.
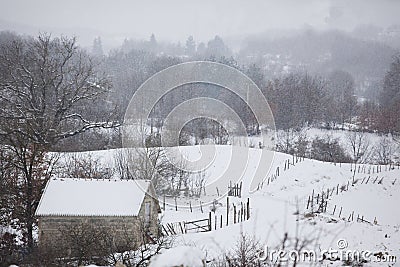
x=125, y=209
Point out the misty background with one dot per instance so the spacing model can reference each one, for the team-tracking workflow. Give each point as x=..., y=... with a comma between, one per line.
x=174, y=20
x=319, y=63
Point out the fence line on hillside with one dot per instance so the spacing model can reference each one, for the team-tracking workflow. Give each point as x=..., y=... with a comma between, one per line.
x=321, y=199
x=235, y=190
x=241, y=213
x=289, y=162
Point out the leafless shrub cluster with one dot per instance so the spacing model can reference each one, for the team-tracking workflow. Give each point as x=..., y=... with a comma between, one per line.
x=292, y=141
x=169, y=176
x=325, y=148
x=76, y=165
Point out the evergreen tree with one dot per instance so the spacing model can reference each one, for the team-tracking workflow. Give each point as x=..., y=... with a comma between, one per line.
x=97, y=49
x=153, y=43
x=190, y=48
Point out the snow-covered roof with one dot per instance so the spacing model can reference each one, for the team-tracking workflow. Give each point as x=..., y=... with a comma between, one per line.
x=82, y=197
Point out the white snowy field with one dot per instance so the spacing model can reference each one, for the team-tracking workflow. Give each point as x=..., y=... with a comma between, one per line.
x=273, y=208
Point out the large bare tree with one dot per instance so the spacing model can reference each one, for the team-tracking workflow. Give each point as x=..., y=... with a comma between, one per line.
x=360, y=146
x=49, y=88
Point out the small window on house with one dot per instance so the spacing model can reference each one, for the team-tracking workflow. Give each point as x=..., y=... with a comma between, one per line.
x=147, y=212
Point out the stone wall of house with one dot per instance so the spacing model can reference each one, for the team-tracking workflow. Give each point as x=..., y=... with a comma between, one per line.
x=57, y=230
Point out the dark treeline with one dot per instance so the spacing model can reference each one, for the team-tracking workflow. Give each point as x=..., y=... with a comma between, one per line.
x=309, y=79
x=325, y=79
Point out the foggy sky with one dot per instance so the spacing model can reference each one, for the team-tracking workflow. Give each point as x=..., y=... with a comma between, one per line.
x=174, y=20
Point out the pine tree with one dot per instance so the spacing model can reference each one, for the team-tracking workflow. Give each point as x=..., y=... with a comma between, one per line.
x=190, y=48
x=153, y=43
x=97, y=49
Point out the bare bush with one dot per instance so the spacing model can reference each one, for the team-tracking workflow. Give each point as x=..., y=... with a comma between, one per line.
x=293, y=141
x=384, y=150
x=168, y=175
x=328, y=149
x=246, y=252
x=78, y=165
x=285, y=141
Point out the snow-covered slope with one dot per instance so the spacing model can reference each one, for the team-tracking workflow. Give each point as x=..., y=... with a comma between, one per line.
x=274, y=207
x=279, y=207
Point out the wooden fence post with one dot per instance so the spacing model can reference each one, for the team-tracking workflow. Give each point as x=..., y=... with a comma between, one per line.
x=248, y=208
x=227, y=212
x=322, y=202
x=209, y=220
x=164, y=203
x=234, y=213
x=242, y=212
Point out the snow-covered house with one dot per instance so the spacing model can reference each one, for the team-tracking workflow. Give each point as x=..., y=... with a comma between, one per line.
x=124, y=209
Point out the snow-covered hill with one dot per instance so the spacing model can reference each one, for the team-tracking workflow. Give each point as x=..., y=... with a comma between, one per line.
x=365, y=197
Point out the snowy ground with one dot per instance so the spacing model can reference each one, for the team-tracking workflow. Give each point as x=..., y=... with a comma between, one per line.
x=274, y=206
x=273, y=210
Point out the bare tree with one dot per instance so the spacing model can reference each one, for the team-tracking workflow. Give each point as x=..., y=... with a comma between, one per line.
x=390, y=98
x=344, y=101
x=168, y=175
x=197, y=183
x=360, y=146
x=47, y=88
